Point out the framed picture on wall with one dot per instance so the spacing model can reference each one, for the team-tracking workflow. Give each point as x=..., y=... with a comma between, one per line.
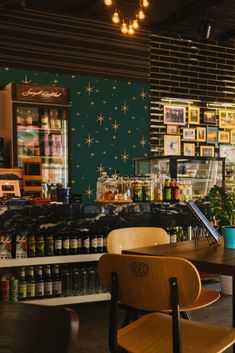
x=189, y=134
x=174, y=115
x=211, y=134
x=194, y=115
x=232, y=137
x=228, y=152
x=171, y=145
x=209, y=116
x=223, y=136
x=172, y=129
x=201, y=134
x=9, y=188
x=189, y=149
x=207, y=151
x=227, y=119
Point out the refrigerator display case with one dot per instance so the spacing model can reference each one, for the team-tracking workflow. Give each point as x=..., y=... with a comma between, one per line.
x=34, y=123
x=201, y=172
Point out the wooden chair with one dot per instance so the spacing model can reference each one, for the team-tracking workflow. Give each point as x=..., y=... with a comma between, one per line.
x=157, y=283
x=29, y=328
x=137, y=237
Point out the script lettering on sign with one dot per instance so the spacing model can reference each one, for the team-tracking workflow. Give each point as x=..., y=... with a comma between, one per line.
x=41, y=93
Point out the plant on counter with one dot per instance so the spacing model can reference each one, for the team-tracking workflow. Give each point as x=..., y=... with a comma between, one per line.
x=222, y=207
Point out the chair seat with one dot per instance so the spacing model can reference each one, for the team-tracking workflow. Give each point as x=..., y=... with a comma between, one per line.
x=207, y=297
x=197, y=337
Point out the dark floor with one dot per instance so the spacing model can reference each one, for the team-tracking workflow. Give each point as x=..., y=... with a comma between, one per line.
x=94, y=321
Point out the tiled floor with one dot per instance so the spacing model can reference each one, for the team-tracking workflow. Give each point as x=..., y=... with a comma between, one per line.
x=94, y=322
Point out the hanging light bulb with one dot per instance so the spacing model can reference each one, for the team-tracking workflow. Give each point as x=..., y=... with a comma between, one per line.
x=128, y=25
x=145, y=3
x=135, y=24
x=124, y=28
x=116, y=18
x=130, y=29
x=141, y=14
x=108, y=2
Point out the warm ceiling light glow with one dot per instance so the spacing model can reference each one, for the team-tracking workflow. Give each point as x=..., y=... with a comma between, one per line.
x=130, y=29
x=124, y=28
x=135, y=24
x=108, y=2
x=141, y=14
x=115, y=17
x=145, y=3
x=129, y=25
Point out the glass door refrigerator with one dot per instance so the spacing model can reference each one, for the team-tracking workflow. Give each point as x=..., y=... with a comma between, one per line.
x=35, y=124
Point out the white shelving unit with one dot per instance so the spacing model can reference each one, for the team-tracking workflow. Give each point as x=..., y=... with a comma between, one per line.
x=48, y=260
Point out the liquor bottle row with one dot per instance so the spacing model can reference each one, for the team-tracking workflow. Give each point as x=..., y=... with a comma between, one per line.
x=41, y=244
x=38, y=282
x=42, y=118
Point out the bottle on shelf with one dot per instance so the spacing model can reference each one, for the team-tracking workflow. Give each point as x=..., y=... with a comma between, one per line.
x=86, y=244
x=75, y=281
x=39, y=283
x=47, y=281
x=56, y=281
x=31, y=246
x=91, y=281
x=73, y=243
x=100, y=243
x=167, y=191
x=22, y=285
x=49, y=245
x=57, y=244
x=14, y=289
x=40, y=245
x=94, y=244
x=65, y=244
x=65, y=281
x=45, y=120
x=79, y=243
x=31, y=286
x=83, y=280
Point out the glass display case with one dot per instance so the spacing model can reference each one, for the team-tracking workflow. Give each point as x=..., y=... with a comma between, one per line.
x=201, y=172
x=34, y=123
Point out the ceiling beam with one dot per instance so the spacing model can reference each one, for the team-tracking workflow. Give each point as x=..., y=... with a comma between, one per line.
x=192, y=8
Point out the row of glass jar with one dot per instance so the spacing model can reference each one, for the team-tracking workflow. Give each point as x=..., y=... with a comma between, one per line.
x=141, y=189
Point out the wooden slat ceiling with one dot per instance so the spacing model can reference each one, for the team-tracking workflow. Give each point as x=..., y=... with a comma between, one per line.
x=179, y=18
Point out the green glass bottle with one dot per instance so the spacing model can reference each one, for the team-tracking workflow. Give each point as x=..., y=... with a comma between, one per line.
x=22, y=285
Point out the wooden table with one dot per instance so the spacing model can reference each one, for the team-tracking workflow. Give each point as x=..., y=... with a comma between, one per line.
x=209, y=258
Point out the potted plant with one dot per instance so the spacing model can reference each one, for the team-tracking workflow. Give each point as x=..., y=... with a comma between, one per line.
x=223, y=210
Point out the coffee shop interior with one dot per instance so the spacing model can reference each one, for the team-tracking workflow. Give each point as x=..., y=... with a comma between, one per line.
x=117, y=121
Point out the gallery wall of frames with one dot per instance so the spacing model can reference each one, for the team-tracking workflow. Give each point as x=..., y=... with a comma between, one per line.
x=196, y=131
x=192, y=98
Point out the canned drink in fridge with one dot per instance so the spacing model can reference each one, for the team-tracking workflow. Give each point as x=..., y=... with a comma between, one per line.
x=14, y=283
x=4, y=288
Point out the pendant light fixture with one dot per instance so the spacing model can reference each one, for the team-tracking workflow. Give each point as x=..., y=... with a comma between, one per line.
x=127, y=25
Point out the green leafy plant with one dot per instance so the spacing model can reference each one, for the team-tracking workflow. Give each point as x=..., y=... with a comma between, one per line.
x=222, y=206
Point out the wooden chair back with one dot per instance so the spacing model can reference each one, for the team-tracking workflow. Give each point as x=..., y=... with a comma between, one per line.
x=143, y=281
x=29, y=328
x=135, y=237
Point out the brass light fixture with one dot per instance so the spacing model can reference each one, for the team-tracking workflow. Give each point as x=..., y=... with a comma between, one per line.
x=127, y=25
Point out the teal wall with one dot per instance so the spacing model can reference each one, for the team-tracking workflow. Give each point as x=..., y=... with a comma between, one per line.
x=109, y=123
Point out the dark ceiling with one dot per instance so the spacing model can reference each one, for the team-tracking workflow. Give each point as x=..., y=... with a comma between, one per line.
x=179, y=18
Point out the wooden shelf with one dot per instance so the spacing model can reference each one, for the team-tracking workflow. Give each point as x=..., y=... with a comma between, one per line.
x=47, y=260
x=71, y=300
